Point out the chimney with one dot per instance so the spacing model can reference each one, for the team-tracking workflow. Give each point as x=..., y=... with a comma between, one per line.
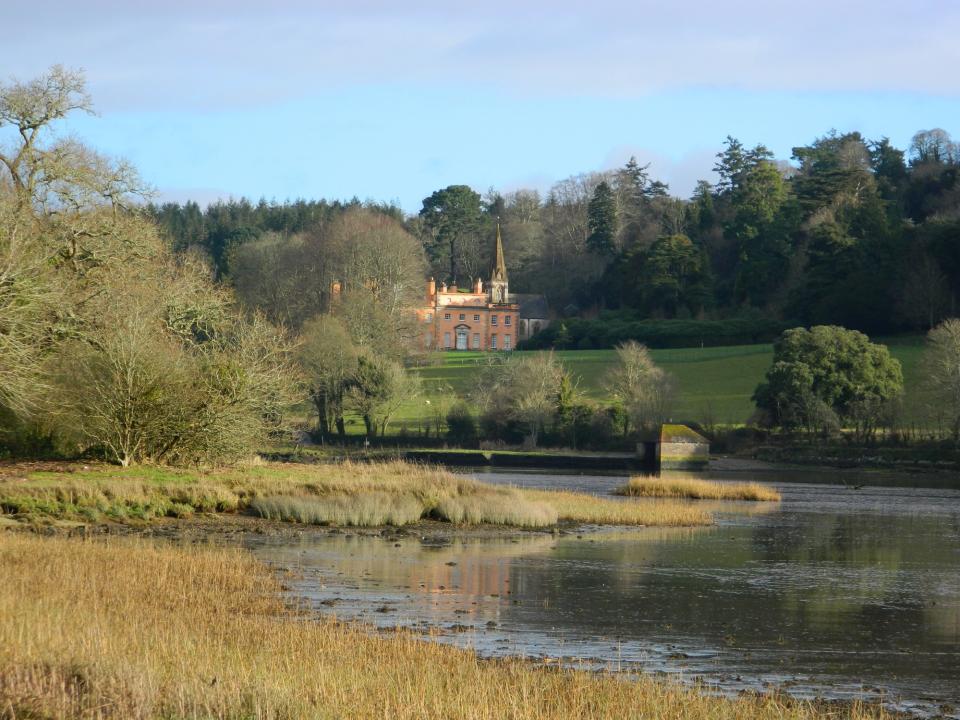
x=453, y=288
x=443, y=287
x=431, y=290
x=478, y=287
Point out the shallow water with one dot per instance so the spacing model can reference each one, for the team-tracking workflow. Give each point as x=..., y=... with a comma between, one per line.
x=848, y=588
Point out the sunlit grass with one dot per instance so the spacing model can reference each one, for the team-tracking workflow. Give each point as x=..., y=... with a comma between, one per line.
x=582, y=508
x=130, y=631
x=679, y=486
x=359, y=494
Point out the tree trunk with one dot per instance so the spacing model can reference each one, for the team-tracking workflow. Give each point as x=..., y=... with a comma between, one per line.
x=323, y=423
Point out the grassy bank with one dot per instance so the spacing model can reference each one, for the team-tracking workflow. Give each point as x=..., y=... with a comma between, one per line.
x=714, y=384
x=361, y=494
x=667, y=486
x=123, y=630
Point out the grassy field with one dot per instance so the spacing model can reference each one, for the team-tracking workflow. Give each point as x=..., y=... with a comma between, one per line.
x=713, y=384
x=343, y=494
x=131, y=631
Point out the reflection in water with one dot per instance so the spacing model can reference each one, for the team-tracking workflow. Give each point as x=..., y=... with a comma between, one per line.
x=833, y=591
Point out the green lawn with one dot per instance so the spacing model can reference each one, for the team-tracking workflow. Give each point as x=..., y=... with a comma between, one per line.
x=712, y=383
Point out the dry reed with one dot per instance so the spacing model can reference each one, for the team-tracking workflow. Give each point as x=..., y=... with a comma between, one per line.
x=368, y=494
x=124, y=630
x=680, y=486
x=582, y=508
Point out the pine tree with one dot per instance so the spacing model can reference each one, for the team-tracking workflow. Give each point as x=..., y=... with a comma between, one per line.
x=602, y=221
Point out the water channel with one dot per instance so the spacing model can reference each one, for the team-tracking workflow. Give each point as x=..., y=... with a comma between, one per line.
x=848, y=588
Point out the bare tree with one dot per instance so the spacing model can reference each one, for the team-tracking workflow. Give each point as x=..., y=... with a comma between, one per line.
x=941, y=371
x=373, y=251
x=522, y=390
x=645, y=390
x=52, y=174
x=926, y=292
x=28, y=295
x=329, y=359
x=933, y=146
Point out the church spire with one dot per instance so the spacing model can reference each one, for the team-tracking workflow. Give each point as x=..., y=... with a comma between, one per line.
x=499, y=289
x=499, y=264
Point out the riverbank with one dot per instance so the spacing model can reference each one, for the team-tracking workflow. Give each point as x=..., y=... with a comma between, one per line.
x=212, y=638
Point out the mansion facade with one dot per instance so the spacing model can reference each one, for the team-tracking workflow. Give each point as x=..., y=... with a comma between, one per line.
x=485, y=317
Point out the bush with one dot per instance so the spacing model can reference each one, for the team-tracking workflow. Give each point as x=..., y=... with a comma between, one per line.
x=461, y=425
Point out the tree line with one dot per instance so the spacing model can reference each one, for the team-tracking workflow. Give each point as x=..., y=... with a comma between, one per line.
x=848, y=231
x=171, y=333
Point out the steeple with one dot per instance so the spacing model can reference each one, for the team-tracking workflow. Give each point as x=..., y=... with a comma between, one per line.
x=498, y=275
x=499, y=265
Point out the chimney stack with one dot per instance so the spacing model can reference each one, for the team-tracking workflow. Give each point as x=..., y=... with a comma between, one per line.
x=431, y=290
x=478, y=287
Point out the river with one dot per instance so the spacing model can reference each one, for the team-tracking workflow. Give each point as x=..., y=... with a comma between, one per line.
x=848, y=588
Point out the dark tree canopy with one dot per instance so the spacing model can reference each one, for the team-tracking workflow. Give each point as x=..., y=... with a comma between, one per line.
x=602, y=219
x=453, y=216
x=826, y=371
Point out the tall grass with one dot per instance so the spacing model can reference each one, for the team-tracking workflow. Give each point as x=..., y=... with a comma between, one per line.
x=375, y=508
x=120, y=630
x=680, y=486
x=366, y=494
x=500, y=508
x=581, y=508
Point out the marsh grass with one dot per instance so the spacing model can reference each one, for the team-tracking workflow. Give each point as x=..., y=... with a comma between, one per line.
x=365, y=494
x=680, y=486
x=505, y=507
x=582, y=508
x=375, y=508
x=131, y=631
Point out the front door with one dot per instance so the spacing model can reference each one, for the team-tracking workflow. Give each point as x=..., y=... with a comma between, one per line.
x=461, y=339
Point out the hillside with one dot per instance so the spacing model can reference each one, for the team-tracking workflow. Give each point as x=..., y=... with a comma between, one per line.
x=713, y=384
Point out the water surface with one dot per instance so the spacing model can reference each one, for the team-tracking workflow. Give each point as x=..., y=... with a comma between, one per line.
x=848, y=588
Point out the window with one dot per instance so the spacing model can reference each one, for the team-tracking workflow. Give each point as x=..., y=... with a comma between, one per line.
x=506, y=342
x=428, y=317
x=427, y=339
x=493, y=319
x=476, y=341
x=446, y=316
x=446, y=340
x=462, y=316
x=493, y=341
x=476, y=318
x=507, y=319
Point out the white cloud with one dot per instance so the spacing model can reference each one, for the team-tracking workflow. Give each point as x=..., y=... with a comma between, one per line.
x=231, y=54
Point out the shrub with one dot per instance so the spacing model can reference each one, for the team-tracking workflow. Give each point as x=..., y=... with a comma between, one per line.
x=461, y=425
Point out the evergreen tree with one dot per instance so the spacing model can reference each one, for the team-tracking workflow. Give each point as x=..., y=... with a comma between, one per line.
x=602, y=221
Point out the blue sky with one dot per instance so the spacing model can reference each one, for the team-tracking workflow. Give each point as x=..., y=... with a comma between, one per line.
x=390, y=101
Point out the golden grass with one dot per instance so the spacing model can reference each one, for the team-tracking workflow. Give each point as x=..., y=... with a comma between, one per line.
x=104, y=630
x=365, y=494
x=680, y=486
x=582, y=508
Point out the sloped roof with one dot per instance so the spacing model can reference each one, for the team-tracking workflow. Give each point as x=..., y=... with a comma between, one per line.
x=680, y=434
x=532, y=306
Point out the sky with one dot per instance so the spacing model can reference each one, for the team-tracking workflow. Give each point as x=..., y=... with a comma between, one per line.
x=389, y=101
